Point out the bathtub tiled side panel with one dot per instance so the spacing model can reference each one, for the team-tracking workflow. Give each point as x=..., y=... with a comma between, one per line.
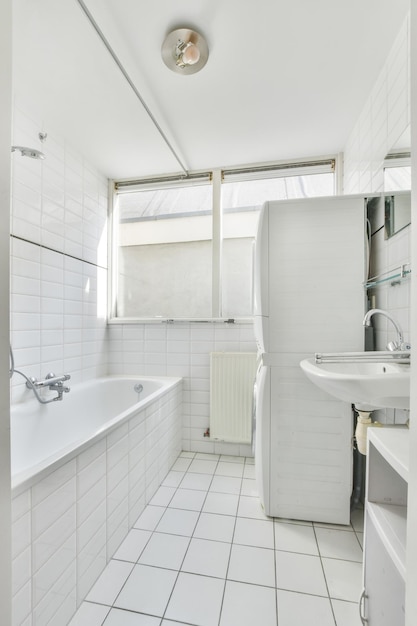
x=67, y=526
x=54, y=545
x=21, y=554
x=117, y=488
x=137, y=466
x=91, y=516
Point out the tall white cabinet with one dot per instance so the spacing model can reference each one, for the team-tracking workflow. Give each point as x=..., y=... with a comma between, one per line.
x=383, y=602
x=309, y=298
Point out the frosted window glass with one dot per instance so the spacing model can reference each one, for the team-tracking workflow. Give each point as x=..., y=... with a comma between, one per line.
x=241, y=202
x=165, y=253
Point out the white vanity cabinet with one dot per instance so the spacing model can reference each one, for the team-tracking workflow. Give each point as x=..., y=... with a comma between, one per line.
x=385, y=527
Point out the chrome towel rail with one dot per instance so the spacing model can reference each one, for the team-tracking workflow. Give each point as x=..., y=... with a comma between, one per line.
x=379, y=356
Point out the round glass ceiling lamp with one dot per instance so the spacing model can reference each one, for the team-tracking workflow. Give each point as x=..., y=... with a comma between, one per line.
x=184, y=51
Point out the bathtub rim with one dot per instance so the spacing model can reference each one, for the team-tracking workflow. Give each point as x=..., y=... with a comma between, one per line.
x=28, y=477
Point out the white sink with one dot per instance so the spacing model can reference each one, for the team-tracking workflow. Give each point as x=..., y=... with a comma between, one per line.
x=367, y=385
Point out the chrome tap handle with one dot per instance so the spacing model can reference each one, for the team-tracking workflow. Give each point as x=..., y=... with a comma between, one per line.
x=51, y=379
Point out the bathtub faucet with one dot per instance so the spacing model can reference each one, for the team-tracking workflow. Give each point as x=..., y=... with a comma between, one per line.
x=54, y=383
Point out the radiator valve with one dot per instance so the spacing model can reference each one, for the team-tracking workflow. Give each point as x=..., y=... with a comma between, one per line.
x=207, y=432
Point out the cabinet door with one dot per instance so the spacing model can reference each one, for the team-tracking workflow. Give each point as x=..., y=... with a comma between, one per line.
x=384, y=585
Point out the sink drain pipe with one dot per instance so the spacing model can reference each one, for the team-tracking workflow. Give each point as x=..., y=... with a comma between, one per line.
x=363, y=422
x=362, y=425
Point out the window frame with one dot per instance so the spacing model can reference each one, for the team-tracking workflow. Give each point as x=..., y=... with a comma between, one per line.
x=216, y=177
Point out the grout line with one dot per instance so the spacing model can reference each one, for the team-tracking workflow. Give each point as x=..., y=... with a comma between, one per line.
x=324, y=575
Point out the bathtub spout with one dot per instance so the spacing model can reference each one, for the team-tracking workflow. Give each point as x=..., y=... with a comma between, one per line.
x=60, y=388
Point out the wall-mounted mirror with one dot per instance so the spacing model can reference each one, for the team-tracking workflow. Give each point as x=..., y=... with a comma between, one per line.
x=397, y=180
x=397, y=213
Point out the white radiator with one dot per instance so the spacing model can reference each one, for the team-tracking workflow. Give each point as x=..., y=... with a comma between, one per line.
x=232, y=376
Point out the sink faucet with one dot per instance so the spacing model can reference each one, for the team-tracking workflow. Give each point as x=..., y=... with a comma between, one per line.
x=399, y=343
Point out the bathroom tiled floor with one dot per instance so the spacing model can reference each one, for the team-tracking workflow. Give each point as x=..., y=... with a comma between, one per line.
x=204, y=554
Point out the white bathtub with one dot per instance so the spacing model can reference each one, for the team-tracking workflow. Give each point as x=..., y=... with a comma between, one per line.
x=84, y=469
x=45, y=435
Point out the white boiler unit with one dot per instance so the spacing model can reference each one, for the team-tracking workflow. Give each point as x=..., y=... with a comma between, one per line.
x=309, y=297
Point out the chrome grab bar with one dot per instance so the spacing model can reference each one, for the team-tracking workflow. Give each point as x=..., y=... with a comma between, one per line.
x=379, y=356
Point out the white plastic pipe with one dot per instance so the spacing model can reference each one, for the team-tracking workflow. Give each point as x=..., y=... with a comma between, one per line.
x=361, y=435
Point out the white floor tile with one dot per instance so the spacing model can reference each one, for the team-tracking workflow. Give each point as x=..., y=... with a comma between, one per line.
x=222, y=503
x=202, y=466
x=344, y=579
x=357, y=519
x=300, y=572
x=89, y=614
x=167, y=622
x=226, y=484
x=196, y=599
x=196, y=481
x=249, y=471
x=232, y=459
x=252, y=565
x=209, y=558
x=110, y=582
x=150, y=517
x=182, y=464
x=147, y=590
x=189, y=499
x=206, y=456
x=254, y=532
x=338, y=544
x=163, y=496
x=119, y=617
x=295, y=538
x=132, y=547
x=229, y=469
x=165, y=550
x=173, y=479
x=299, y=608
x=248, y=605
x=346, y=613
x=249, y=487
x=251, y=507
x=216, y=527
x=177, y=522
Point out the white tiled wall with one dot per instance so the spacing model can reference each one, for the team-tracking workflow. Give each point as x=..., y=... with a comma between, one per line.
x=59, y=260
x=383, y=119
x=181, y=349
x=67, y=526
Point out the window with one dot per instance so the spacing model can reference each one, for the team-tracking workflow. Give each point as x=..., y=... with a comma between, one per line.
x=397, y=172
x=183, y=248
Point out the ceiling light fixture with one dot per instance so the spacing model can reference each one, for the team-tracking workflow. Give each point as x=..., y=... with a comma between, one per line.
x=184, y=51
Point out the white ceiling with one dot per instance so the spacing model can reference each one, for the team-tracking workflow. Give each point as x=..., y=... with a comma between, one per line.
x=284, y=79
